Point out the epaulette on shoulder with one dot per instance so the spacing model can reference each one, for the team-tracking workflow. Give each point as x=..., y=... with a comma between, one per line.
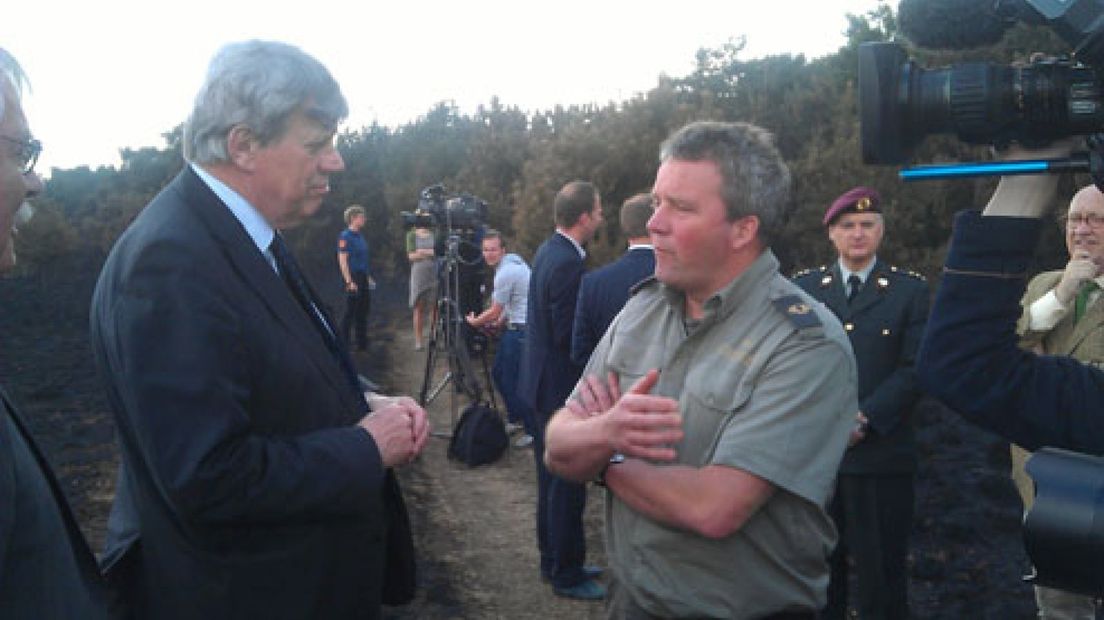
x=805, y=272
x=641, y=285
x=800, y=313
x=908, y=272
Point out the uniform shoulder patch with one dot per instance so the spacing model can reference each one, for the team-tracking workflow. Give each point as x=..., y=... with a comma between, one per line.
x=908, y=272
x=641, y=285
x=797, y=310
x=805, y=272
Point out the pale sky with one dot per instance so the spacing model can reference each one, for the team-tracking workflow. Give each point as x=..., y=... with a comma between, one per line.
x=117, y=73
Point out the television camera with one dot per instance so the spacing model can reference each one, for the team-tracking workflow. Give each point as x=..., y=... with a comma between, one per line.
x=983, y=102
x=458, y=222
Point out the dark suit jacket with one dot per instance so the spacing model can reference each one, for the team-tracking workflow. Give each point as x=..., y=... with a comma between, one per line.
x=885, y=323
x=46, y=568
x=246, y=491
x=970, y=358
x=602, y=294
x=547, y=373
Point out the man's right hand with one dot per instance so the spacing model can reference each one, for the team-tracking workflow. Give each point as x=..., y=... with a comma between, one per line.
x=400, y=429
x=1079, y=270
x=635, y=423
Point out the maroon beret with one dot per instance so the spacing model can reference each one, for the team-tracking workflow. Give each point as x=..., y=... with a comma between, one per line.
x=856, y=200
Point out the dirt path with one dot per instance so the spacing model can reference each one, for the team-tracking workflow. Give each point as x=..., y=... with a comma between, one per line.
x=474, y=527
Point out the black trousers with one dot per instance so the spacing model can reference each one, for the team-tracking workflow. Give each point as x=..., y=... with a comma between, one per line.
x=874, y=517
x=356, y=312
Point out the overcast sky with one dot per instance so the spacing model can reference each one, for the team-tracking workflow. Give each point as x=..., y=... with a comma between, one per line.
x=117, y=73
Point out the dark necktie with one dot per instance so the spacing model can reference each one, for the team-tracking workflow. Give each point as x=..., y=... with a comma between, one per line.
x=854, y=283
x=1081, y=303
x=302, y=292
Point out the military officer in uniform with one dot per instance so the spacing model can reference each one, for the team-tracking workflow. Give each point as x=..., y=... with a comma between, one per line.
x=1062, y=316
x=883, y=309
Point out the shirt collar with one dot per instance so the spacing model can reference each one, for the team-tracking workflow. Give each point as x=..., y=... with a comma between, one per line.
x=250, y=218
x=640, y=246
x=845, y=273
x=578, y=248
x=744, y=288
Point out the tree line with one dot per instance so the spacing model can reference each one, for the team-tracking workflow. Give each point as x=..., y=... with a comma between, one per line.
x=517, y=160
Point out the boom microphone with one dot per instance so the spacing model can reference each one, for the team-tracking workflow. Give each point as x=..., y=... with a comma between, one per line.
x=953, y=24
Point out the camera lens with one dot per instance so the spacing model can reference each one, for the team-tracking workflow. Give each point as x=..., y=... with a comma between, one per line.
x=981, y=103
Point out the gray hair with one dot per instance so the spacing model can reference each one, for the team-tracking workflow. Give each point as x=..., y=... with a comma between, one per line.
x=754, y=179
x=12, y=79
x=259, y=84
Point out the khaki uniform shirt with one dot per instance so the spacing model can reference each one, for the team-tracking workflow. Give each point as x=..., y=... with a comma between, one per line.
x=766, y=383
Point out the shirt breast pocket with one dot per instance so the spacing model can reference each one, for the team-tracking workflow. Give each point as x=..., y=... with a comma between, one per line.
x=708, y=408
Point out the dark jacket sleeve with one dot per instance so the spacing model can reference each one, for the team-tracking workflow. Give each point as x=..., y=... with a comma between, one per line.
x=185, y=364
x=583, y=333
x=969, y=357
x=894, y=397
x=7, y=487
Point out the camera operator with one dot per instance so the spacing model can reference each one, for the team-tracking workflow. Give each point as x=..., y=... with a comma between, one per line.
x=507, y=309
x=969, y=357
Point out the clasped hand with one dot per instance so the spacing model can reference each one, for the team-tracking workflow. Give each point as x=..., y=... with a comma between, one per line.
x=635, y=423
x=398, y=425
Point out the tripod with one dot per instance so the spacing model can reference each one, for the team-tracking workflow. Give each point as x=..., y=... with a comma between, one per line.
x=450, y=340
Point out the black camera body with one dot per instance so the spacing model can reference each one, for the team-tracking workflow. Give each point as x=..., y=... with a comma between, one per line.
x=980, y=102
x=436, y=209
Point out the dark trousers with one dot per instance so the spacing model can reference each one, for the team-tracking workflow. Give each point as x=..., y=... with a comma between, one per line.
x=356, y=312
x=560, y=506
x=506, y=371
x=874, y=517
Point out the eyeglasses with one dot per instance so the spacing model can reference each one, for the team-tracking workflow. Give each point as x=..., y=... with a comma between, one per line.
x=28, y=152
x=1094, y=221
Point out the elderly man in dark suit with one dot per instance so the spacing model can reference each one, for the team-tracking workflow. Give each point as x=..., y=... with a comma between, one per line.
x=46, y=568
x=256, y=476
x=883, y=309
x=547, y=377
x=604, y=291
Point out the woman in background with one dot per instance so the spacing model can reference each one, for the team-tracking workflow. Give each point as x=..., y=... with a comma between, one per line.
x=423, y=278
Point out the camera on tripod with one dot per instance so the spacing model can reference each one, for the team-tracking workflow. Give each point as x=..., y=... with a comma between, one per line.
x=462, y=213
x=981, y=102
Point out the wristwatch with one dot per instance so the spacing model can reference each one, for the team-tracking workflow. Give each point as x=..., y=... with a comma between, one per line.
x=616, y=459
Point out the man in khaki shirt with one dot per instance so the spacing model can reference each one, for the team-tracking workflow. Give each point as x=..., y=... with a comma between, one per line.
x=721, y=453
x=1062, y=316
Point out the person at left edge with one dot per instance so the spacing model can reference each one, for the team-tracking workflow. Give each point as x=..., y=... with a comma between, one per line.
x=46, y=569
x=352, y=259
x=255, y=482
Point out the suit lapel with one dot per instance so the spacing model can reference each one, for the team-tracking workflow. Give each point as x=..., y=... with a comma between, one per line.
x=1093, y=320
x=258, y=275
x=87, y=560
x=834, y=295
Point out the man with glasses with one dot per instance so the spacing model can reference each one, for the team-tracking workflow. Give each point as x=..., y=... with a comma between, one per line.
x=46, y=568
x=1062, y=316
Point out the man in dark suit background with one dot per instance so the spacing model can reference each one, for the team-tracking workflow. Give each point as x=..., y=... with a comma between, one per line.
x=883, y=309
x=256, y=476
x=604, y=291
x=46, y=568
x=548, y=375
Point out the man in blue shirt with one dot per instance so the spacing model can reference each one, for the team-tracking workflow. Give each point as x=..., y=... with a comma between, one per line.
x=352, y=258
x=508, y=307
